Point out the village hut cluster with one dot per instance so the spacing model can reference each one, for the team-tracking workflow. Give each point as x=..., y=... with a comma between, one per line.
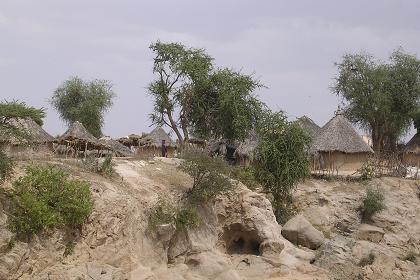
x=335, y=147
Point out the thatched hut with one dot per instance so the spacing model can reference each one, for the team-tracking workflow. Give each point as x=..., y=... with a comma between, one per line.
x=37, y=142
x=411, y=155
x=115, y=148
x=339, y=147
x=244, y=153
x=309, y=126
x=77, y=139
x=151, y=144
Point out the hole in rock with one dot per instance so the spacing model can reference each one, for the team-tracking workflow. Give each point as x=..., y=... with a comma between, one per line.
x=239, y=241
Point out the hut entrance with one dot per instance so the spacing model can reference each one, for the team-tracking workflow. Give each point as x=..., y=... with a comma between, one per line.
x=239, y=241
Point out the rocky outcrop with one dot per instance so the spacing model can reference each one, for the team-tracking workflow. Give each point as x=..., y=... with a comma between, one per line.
x=300, y=232
x=370, y=233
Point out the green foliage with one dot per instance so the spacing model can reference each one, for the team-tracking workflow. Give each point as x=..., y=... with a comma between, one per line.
x=224, y=106
x=245, y=175
x=208, y=175
x=367, y=260
x=84, y=101
x=14, y=110
x=46, y=198
x=69, y=249
x=165, y=212
x=280, y=160
x=209, y=102
x=367, y=171
x=6, y=167
x=107, y=167
x=380, y=97
x=373, y=202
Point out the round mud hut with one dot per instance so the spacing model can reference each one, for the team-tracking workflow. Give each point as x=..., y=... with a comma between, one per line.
x=151, y=144
x=115, y=148
x=34, y=142
x=338, y=147
x=411, y=155
x=309, y=126
x=244, y=153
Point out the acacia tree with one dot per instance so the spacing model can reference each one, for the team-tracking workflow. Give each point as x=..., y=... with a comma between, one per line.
x=380, y=96
x=8, y=111
x=280, y=159
x=189, y=95
x=84, y=101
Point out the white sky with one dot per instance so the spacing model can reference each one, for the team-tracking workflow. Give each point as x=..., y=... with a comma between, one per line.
x=290, y=45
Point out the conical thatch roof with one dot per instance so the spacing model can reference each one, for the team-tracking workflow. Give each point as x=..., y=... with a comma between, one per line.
x=309, y=126
x=247, y=147
x=413, y=146
x=155, y=137
x=116, y=147
x=77, y=135
x=36, y=134
x=339, y=135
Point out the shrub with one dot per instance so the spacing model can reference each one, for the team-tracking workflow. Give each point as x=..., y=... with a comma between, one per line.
x=367, y=171
x=209, y=176
x=166, y=213
x=45, y=198
x=107, y=167
x=245, y=175
x=368, y=260
x=6, y=167
x=373, y=202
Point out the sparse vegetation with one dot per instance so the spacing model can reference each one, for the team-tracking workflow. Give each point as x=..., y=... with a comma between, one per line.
x=6, y=167
x=367, y=171
x=106, y=168
x=209, y=176
x=411, y=256
x=367, y=260
x=373, y=202
x=46, y=198
x=245, y=175
x=69, y=248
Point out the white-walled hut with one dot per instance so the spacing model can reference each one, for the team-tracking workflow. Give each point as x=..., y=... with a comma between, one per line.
x=411, y=154
x=151, y=144
x=35, y=141
x=338, y=147
x=78, y=140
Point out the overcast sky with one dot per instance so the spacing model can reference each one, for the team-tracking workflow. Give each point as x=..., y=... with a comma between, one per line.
x=291, y=46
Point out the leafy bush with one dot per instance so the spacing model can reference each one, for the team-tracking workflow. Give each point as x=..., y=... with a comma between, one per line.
x=45, y=198
x=368, y=260
x=166, y=213
x=280, y=160
x=107, y=167
x=373, y=202
x=367, y=171
x=245, y=175
x=209, y=176
x=6, y=167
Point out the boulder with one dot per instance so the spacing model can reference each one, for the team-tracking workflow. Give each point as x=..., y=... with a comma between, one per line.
x=370, y=233
x=300, y=232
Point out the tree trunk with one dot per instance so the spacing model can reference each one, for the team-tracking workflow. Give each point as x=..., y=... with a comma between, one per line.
x=175, y=128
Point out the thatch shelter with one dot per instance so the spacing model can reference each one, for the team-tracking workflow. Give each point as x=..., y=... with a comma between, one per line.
x=339, y=147
x=309, y=126
x=37, y=142
x=115, y=148
x=244, y=153
x=411, y=155
x=151, y=144
x=78, y=139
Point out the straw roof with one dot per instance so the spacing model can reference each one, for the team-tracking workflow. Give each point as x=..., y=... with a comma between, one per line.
x=339, y=135
x=154, y=138
x=247, y=147
x=309, y=126
x=78, y=135
x=413, y=146
x=37, y=135
x=116, y=147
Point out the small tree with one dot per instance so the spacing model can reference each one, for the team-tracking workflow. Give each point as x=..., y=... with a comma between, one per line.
x=280, y=161
x=84, y=101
